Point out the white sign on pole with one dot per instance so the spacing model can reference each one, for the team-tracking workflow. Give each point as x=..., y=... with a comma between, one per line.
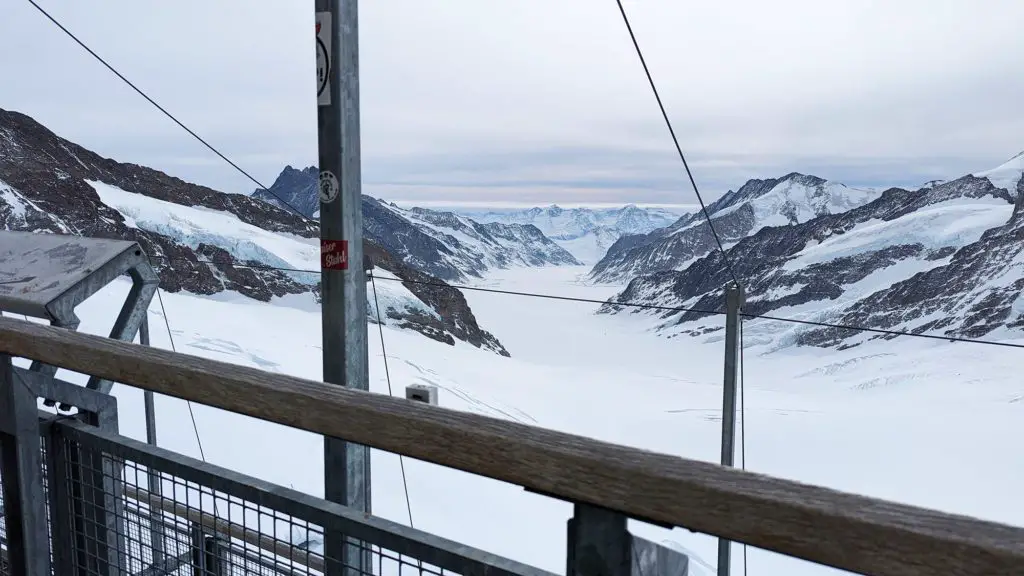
x=323, y=59
x=329, y=187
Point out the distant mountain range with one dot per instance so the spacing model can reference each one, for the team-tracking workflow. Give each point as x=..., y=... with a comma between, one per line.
x=944, y=258
x=445, y=244
x=586, y=233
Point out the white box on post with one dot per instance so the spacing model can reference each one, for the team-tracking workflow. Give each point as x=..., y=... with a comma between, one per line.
x=422, y=393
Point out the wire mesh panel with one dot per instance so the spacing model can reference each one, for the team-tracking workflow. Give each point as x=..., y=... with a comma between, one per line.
x=5, y=568
x=137, y=509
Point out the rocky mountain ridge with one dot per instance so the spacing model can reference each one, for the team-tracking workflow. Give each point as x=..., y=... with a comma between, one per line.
x=945, y=258
x=47, y=184
x=789, y=200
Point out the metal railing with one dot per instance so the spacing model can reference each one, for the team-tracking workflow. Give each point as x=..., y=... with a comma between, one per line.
x=105, y=515
x=212, y=519
x=227, y=523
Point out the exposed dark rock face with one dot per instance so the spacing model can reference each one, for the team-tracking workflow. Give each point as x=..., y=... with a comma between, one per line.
x=792, y=199
x=44, y=187
x=963, y=288
x=48, y=190
x=418, y=249
x=447, y=301
x=34, y=158
x=973, y=295
x=297, y=188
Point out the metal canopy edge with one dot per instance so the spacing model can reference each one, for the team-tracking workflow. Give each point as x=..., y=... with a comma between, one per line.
x=48, y=275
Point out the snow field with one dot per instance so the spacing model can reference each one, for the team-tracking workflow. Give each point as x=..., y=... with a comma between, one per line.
x=1006, y=176
x=929, y=424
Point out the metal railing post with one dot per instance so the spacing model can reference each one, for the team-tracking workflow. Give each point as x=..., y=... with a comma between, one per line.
x=733, y=303
x=599, y=543
x=28, y=543
x=156, y=529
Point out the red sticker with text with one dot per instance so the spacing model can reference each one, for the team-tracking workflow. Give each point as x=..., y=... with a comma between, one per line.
x=334, y=254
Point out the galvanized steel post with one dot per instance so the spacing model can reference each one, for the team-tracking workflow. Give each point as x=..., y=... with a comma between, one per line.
x=733, y=304
x=28, y=543
x=599, y=543
x=343, y=286
x=156, y=529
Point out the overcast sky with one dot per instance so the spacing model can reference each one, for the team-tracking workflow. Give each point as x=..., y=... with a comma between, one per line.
x=539, y=100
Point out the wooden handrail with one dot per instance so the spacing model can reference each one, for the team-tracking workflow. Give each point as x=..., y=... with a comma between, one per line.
x=833, y=528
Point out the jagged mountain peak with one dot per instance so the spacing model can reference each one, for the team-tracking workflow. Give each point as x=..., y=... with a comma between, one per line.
x=757, y=187
x=759, y=203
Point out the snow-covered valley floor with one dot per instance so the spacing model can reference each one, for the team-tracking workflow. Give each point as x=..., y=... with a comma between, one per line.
x=927, y=423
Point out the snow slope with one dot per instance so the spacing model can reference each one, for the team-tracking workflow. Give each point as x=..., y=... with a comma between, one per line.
x=194, y=225
x=1007, y=176
x=585, y=232
x=790, y=201
x=952, y=223
x=758, y=204
x=919, y=422
x=590, y=247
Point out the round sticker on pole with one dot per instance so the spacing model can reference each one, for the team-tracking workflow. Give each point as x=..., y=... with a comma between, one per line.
x=329, y=187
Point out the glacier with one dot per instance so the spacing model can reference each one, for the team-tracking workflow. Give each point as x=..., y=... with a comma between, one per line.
x=586, y=232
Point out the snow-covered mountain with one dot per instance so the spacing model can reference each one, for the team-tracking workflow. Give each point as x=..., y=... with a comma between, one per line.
x=444, y=244
x=455, y=247
x=946, y=258
x=202, y=241
x=791, y=199
x=585, y=232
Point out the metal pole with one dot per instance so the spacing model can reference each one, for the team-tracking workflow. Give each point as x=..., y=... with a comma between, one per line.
x=147, y=395
x=28, y=537
x=156, y=531
x=343, y=287
x=733, y=303
x=599, y=543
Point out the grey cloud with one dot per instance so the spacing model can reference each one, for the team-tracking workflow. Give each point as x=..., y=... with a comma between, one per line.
x=540, y=99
